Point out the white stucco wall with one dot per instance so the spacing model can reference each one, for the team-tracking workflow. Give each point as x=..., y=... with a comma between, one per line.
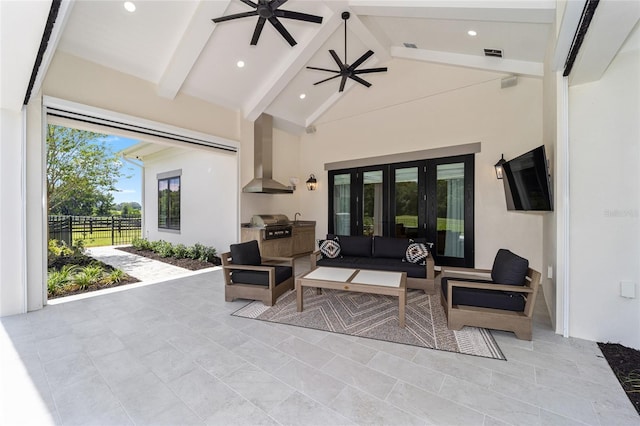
x=604, y=133
x=208, y=197
x=470, y=107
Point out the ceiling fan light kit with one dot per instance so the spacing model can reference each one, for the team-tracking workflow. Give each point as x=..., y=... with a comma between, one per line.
x=345, y=70
x=268, y=10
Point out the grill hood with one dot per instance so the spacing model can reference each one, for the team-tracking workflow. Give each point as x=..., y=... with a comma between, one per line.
x=263, y=182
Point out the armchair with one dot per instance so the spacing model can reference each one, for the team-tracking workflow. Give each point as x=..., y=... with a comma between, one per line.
x=503, y=300
x=247, y=275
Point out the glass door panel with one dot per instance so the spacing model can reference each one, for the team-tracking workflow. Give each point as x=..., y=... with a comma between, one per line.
x=342, y=204
x=406, y=202
x=372, y=203
x=450, y=208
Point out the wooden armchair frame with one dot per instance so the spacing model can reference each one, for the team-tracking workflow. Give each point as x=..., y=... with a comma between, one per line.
x=268, y=295
x=458, y=316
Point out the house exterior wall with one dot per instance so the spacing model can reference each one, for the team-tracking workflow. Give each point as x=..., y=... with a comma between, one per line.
x=604, y=135
x=208, y=197
x=472, y=108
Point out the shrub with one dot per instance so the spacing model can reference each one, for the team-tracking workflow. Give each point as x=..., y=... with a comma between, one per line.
x=180, y=251
x=58, y=248
x=89, y=276
x=163, y=248
x=208, y=254
x=57, y=280
x=141, y=244
x=114, y=277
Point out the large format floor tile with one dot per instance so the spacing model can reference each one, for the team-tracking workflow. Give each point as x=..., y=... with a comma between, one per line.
x=172, y=354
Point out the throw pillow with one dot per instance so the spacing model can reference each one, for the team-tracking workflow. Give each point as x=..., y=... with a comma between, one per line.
x=417, y=253
x=329, y=249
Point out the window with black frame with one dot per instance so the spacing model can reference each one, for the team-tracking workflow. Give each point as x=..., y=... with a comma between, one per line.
x=169, y=200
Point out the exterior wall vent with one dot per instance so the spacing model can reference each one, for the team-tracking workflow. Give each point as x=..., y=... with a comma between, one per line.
x=410, y=45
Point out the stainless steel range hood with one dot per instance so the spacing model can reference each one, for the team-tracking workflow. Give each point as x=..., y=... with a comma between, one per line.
x=263, y=182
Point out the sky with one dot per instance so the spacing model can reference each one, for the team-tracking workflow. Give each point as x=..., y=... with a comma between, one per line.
x=129, y=188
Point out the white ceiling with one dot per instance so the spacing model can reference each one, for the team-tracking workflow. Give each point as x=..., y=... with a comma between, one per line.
x=176, y=46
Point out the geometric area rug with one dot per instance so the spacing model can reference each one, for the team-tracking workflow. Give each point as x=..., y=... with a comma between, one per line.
x=376, y=317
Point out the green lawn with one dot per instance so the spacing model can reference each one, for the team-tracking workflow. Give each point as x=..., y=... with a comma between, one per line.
x=455, y=225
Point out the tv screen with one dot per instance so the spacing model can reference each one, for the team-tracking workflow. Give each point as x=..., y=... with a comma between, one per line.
x=526, y=182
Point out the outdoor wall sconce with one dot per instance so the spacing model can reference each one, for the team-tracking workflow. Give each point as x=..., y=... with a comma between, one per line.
x=498, y=167
x=312, y=183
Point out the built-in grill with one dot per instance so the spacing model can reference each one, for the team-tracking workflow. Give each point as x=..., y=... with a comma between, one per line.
x=274, y=225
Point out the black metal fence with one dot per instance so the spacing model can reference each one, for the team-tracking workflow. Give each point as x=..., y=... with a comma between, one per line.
x=95, y=231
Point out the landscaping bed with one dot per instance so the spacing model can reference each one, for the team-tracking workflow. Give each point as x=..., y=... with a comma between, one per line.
x=625, y=363
x=186, y=263
x=78, y=273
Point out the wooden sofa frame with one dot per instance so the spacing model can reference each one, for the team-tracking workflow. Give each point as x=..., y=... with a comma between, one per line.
x=520, y=323
x=426, y=284
x=267, y=295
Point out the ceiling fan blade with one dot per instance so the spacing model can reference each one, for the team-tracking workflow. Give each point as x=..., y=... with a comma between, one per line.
x=370, y=70
x=236, y=16
x=360, y=60
x=326, y=79
x=342, y=83
x=250, y=3
x=288, y=14
x=337, y=59
x=274, y=4
x=258, y=31
x=282, y=30
x=359, y=80
x=323, y=69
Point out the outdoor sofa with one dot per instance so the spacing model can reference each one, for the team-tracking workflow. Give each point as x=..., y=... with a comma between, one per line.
x=379, y=253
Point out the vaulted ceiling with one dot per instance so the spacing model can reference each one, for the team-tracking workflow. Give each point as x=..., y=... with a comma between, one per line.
x=176, y=46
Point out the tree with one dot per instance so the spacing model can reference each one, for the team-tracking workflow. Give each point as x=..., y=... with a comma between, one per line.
x=81, y=172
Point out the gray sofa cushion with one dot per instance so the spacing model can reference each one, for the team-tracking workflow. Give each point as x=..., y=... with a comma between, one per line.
x=246, y=253
x=394, y=248
x=355, y=245
x=484, y=298
x=260, y=277
x=509, y=268
x=377, y=264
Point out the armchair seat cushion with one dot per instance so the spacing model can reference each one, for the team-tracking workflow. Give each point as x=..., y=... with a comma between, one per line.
x=260, y=277
x=495, y=299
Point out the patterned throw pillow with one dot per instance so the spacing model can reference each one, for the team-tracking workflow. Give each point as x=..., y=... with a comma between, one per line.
x=329, y=249
x=417, y=253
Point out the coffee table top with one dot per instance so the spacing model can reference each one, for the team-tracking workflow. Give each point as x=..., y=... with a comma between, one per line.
x=356, y=276
x=328, y=273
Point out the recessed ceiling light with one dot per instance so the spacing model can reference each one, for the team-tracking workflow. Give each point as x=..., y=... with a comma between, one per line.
x=130, y=6
x=472, y=33
x=303, y=95
x=240, y=64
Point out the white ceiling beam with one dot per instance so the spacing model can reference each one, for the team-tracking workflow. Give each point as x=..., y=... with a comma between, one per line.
x=289, y=68
x=525, y=11
x=510, y=66
x=194, y=40
x=568, y=25
x=613, y=22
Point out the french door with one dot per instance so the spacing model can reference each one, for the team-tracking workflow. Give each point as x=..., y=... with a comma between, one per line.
x=428, y=199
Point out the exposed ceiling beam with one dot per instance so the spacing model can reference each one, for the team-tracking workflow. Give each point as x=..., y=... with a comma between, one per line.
x=527, y=11
x=290, y=67
x=194, y=40
x=568, y=26
x=612, y=23
x=510, y=66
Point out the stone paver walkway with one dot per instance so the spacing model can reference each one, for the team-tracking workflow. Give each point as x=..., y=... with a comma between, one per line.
x=142, y=268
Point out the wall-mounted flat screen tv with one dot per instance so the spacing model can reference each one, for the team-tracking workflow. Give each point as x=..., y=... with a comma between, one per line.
x=526, y=182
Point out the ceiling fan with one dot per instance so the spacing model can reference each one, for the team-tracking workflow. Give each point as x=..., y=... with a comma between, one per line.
x=268, y=10
x=346, y=70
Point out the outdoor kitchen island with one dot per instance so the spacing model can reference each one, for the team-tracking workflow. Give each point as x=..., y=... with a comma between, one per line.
x=278, y=236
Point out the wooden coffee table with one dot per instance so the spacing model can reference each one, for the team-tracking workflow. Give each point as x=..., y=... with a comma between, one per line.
x=359, y=280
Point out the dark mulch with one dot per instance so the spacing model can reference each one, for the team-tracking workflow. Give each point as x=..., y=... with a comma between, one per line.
x=82, y=260
x=625, y=363
x=190, y=264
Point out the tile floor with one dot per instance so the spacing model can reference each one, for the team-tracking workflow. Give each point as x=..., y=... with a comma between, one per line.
x=171, y=354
